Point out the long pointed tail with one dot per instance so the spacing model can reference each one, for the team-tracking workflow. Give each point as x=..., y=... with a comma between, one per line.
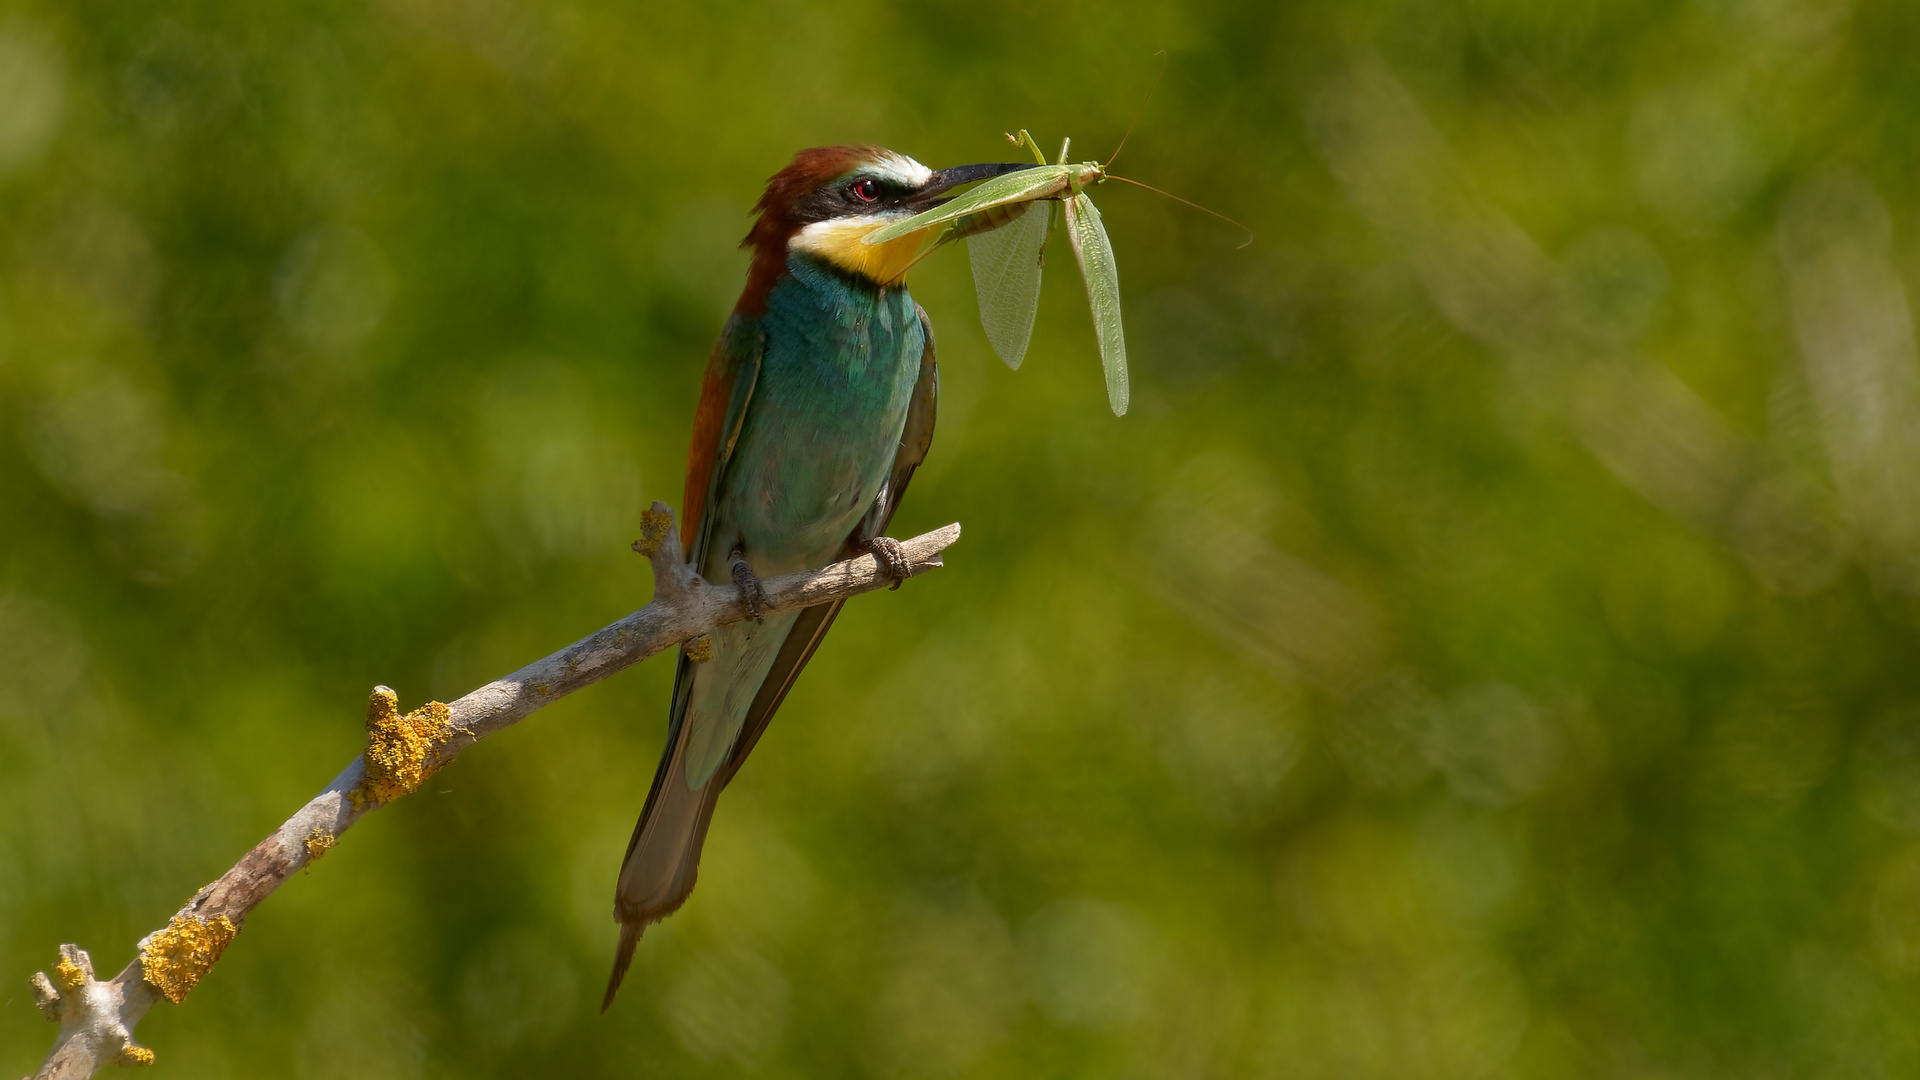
x=622, y=959
x=663, y=856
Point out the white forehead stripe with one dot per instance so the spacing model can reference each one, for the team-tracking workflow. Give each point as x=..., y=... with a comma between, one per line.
x=900, y=169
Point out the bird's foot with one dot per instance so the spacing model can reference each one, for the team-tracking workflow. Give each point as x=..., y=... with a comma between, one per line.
x=892, y=558
x=751, y=593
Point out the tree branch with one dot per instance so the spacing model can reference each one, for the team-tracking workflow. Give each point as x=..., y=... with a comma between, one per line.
x=97, y=1018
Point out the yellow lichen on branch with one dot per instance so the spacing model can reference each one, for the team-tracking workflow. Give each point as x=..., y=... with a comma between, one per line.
x=318, y=843
x=176, y=958
x=654, y=527
x=398, y=746
x=700, y=649
x=71, y=975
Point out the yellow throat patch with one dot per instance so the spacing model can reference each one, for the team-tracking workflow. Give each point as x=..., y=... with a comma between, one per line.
x=839, y=242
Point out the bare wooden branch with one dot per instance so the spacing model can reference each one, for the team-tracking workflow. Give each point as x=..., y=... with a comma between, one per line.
x=97, y=1018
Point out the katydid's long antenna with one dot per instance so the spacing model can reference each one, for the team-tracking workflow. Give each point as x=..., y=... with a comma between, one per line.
x=1191, y=203
x=1162, y=54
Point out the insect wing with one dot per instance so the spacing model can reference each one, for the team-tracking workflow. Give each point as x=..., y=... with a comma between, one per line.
x=1006, y=278
x=1024, y=186
x=1090, y=246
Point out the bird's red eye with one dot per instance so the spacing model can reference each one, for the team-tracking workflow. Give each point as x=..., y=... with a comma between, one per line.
x=866, y=190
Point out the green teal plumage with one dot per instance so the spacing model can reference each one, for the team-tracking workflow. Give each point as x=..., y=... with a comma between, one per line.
x=838, y=363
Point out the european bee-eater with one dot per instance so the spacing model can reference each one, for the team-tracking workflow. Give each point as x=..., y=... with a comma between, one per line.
x=817, y=407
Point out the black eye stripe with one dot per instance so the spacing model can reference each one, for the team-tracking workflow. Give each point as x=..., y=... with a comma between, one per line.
x=839, y=199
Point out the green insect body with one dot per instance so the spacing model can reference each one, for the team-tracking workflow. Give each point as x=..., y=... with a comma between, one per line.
x=1005, y=237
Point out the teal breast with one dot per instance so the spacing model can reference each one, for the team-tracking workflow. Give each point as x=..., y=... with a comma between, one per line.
x=841, y=358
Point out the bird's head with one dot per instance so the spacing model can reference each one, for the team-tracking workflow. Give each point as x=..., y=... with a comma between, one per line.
x=832, y=196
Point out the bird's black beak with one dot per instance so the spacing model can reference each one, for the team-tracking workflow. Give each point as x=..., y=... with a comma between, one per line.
x=946, y=179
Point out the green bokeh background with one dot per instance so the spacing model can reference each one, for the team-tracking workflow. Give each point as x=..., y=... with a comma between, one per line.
x=1488, y=648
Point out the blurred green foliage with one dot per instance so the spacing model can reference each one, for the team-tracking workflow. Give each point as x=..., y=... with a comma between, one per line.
x=1487, y=648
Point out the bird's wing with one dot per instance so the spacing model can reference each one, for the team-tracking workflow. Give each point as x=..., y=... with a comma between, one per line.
x=812, y=624
x=732, y=370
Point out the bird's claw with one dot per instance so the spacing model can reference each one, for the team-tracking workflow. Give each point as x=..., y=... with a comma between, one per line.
x=891, y=557
x=751, y=594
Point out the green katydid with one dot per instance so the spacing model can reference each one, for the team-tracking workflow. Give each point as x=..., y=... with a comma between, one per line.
x=1004, y=243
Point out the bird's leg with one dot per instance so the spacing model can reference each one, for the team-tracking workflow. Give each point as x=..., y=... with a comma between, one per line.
x=751, y=593
x=891, y=557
